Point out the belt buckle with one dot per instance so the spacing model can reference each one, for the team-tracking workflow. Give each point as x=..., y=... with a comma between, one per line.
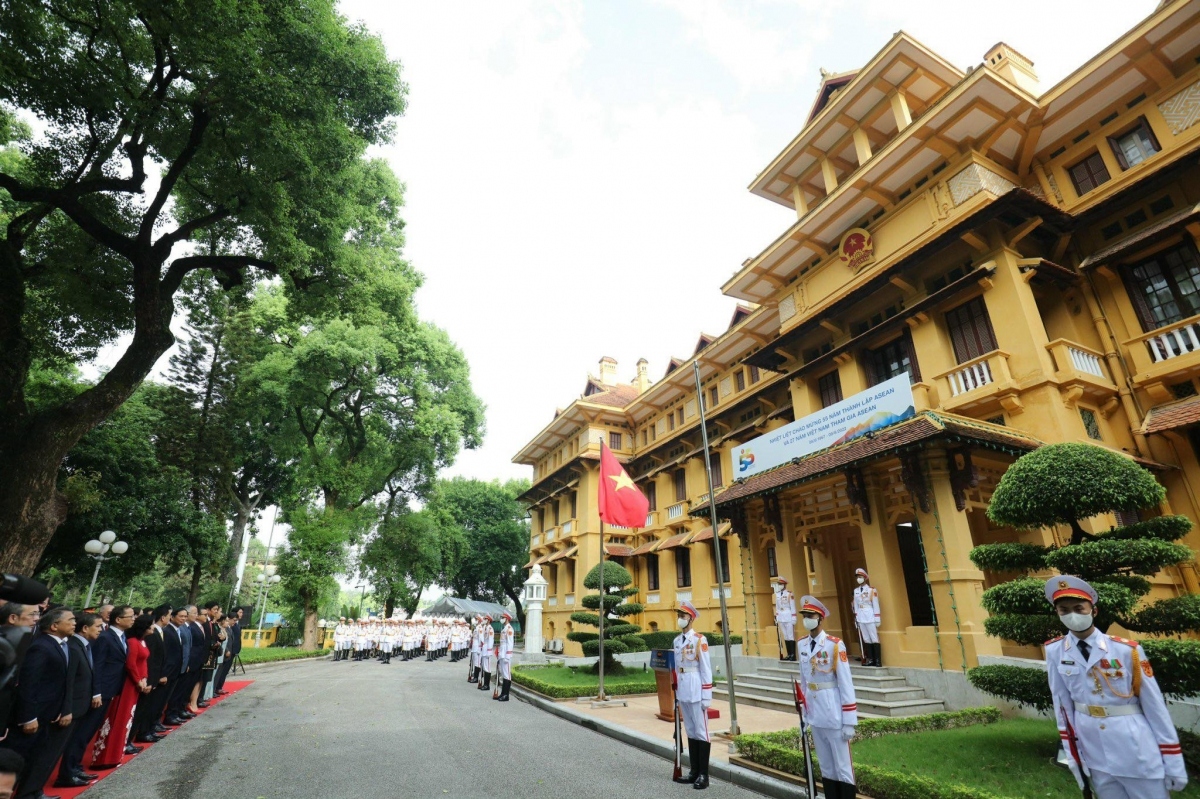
x=1098, y=711
x=812, y=686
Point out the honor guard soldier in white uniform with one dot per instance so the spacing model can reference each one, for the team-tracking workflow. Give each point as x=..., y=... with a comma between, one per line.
x=339, y=640
x=487, y=640
x=785, y=618
x=1111, y=715
x=504, y=654
x=693, y=672
x=866, y=616
x=830, y=706
x=475, y=632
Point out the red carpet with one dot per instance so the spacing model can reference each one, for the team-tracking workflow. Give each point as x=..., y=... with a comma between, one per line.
x=70, y=793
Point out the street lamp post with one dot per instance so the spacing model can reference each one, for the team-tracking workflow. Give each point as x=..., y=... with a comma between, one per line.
x=97, y=549
x=265, y=580
x=361, y=598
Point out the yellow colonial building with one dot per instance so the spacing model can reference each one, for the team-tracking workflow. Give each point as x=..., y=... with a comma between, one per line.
x=1025, y=254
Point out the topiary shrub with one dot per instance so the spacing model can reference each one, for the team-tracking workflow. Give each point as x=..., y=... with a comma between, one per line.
x=614, y=597
x=1064, y=484
x=635, y=643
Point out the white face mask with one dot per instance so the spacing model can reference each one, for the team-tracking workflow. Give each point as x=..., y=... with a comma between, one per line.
x=1076, y=622
x=682, y=622
x=811, y=624
x=861, y=580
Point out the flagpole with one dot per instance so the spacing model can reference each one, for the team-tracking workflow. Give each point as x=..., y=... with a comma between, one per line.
x=600, y=697
x=712, y=518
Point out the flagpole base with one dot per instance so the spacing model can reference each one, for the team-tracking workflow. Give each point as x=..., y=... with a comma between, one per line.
x=603, y=703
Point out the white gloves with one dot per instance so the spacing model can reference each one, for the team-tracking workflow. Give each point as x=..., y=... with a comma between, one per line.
x=706, y=703
x=848, y=731
x=1176, y=783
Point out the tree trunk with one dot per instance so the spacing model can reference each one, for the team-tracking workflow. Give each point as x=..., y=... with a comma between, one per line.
x=310, y=643
x=515, y=596
x=31, y=507
x=194, y=588
x=389, y=605
x=241, y=518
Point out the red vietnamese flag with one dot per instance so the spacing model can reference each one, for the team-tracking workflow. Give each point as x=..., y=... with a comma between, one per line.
x=621, y=503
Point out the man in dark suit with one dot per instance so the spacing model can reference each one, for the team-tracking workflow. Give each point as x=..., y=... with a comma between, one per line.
x=201, y=641
x=43, y=702
x=108, y=677
x=85, y=701
x=177, y=642
x=235, y=647
x=149, y=707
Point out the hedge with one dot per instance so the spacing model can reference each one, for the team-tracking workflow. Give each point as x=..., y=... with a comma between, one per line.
x=878, y=727
x=665, y=639
x=1014, y=683
x=612, y=687
x=871, y=780
x=274, y=654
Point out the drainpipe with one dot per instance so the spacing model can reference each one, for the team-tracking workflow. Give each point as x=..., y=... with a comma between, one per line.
x=1117, y=365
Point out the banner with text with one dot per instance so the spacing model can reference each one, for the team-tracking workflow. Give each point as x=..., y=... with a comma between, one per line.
x=877, y=407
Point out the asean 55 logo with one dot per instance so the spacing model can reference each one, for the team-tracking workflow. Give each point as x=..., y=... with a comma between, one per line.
x=745, y=460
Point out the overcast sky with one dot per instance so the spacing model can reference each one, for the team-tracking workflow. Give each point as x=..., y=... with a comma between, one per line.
x=577, y=171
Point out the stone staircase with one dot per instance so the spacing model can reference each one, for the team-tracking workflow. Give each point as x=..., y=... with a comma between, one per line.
x=880, y=692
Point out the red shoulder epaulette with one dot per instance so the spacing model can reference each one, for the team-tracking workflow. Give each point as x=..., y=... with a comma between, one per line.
x=1126, y=641
x=835, y=639
x=1052, y=640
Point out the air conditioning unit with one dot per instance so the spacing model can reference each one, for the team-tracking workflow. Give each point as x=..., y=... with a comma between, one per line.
x=554, y=645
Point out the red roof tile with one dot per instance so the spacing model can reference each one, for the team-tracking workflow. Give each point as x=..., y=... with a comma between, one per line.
x=1176, y=414
x=617, y=396
x=672, y=542
x=563, y=553
x=706, y=533
x=645, y=548
x=618, y=550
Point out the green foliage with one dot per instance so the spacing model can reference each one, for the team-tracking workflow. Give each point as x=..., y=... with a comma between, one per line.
x=274, y=654
x=1162, y=528
x=634, y=643
x=1176, y=665
x=582, y=636
x=1010, y=557
x=1062, y=483
x=1174, y=615
x=402, y=558
x=873, y=728
x=558, y=682
x=617, y=581
x=1014, y=683
x=620, y=630
x=1026, y=595
x=590, y=619
x=615, y=576
x=611, y=602
x=665, y=639
x=612, y=646
x=1028, y=630
x=1105, y=556
x=485, y=538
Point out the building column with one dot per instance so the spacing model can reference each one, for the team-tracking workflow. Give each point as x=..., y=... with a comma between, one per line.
x=882, y=555
x=956, y=583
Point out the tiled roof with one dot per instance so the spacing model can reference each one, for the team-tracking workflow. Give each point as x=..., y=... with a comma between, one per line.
x=706, y=533
x=645, y=548
x=1146, y=235
x=618, y=550
x=672, y=542
x=1176, y=414
x=565, y=553
x=617, y=396
x=903, y=435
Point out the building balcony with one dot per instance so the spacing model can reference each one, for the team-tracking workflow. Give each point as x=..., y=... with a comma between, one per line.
x=536, y=540
x=676, y=512
x=1166, y=353
x=550, y=534
x=568, y=528
x=700, y=501
x=651, y=520
x=1081, y=371
x=977, y=382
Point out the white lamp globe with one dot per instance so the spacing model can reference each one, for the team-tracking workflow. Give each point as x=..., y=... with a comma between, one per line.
x=260, y=578
x=107, y=537
x=120, y=548
x=271, y=569
x=275, y=578
x=93, y=547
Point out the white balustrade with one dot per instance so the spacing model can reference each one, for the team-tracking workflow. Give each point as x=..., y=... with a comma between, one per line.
x=1085, y=361
x=1174, y=342
x=653, y=599
x=970, y=378
x=675, y=511
x=716, y=592
x=683, y=596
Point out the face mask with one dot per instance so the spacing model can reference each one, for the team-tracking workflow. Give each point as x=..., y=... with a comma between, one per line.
x=682, y=622
x=861, y=580
x=811, y=624
x=1076, y=622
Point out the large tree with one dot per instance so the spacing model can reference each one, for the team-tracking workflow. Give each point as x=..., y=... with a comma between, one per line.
x=402, y=558
x=491, y=529
x=175, y=138
x=1065, y=484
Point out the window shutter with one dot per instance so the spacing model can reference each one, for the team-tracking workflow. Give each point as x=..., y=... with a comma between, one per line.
x=912, y=356
x=868, y=362
x=1134, y=290
x=1116, y=148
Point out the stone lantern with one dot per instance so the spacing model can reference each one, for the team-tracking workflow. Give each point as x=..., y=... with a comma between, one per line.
x=535, y=597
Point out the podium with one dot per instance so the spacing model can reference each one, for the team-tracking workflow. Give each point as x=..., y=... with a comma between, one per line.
x=663, y=663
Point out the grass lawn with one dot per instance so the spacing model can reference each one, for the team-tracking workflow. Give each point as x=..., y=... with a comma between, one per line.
x=564, y=681
x=271, y=654
x=1009, y=758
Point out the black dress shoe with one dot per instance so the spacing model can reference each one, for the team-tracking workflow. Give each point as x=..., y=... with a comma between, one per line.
x=202, y=704
x=71, y=782
x=83, y=775
x=701, y=782
x=130, y=749
x=174, y=722
x=159, y=728
x=188, y=715
x=148, y=739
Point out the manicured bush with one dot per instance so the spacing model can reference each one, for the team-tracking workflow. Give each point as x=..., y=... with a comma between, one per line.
x=614, y=588
x=618, y=686
x=716, y=639
x=273, y=654
x=1065, y=484
x=1014, y=683
x=634, y=642
x=665, y=639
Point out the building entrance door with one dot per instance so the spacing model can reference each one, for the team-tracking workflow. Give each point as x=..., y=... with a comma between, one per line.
x=844, y=547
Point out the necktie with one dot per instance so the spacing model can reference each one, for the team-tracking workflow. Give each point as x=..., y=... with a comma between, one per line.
x=87, y=650
x=66, y=653
x=1084, y=649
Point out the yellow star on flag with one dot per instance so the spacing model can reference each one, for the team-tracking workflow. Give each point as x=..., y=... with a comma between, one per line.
x=622, y=480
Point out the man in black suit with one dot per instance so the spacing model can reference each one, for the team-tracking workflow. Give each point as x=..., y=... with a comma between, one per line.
x=177, y=642
x=235, y=647
x=149, y=707
x=43, y=702
x=85, y=701
x=108, y=677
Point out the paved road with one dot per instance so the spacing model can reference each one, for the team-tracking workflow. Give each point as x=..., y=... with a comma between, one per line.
x=323, y=730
